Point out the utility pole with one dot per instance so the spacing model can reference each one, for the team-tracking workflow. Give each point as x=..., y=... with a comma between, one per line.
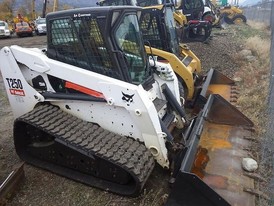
x=55, y=5
x=44, y=8
x=33, y=14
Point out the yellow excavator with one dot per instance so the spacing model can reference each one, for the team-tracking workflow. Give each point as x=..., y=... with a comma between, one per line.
x=94, y=108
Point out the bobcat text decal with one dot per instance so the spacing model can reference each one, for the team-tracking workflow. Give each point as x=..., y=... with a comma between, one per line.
x=15, y=87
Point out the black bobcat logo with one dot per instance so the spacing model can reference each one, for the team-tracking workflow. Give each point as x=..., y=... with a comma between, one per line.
x=128, y=98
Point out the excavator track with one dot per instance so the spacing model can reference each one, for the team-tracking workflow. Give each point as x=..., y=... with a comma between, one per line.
x=52, y=139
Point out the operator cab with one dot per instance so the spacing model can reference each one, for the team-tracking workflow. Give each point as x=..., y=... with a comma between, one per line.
x=192, y=9
x=82, y=40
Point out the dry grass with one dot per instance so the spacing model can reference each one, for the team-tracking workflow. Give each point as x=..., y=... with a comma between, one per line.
x=260, y=47
x=254, y=86
x=255, y=79
x=258, y=25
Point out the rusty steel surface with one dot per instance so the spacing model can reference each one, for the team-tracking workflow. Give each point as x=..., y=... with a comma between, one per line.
x=218, y=162
x=218, y=83
x=10, y=184
x=228, y=92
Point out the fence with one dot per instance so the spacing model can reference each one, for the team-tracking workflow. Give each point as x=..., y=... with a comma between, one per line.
x=259, y=13
x=268, y=142
x=264, y=13
x=271, y=107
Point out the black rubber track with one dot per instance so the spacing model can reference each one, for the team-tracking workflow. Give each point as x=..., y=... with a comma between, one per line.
x=82, y=142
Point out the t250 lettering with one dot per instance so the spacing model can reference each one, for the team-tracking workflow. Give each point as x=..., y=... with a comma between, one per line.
x=14, y=83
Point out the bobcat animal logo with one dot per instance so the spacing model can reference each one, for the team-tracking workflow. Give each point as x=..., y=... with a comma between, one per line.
x=127, y=97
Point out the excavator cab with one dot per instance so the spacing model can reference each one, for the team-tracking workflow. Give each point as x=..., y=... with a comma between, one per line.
x=96, y=109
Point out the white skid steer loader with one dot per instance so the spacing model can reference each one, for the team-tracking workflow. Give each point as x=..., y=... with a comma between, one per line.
x=92, y=107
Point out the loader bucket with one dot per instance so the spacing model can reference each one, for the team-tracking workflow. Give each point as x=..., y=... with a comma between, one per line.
x=216, y=83
x=210, y=172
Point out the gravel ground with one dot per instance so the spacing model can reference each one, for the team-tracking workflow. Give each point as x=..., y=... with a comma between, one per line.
x=219, y=53
x=43, y=188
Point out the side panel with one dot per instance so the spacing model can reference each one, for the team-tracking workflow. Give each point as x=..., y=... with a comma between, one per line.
x=21, y=95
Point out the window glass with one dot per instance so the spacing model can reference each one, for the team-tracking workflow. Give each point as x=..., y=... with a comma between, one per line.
x=22, y=24
x=79, y=42
x=170, y=24
x=41, y=21
x=129, y=40
x=150, y=30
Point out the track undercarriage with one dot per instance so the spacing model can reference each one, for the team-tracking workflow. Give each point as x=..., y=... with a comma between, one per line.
x=54, y=140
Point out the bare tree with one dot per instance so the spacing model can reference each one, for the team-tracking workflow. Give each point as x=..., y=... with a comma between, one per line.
x=6, y=8
x=28, y=6
x=22, y=10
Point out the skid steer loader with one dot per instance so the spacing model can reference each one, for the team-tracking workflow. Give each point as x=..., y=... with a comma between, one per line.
x=92, y=107
x=189, y=14
x=188, y=28
x=158, y=29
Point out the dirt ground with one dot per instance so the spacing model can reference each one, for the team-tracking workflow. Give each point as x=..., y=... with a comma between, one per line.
x=44, y=188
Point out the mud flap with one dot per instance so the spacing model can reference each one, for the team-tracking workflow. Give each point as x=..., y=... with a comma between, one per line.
x=210, y=171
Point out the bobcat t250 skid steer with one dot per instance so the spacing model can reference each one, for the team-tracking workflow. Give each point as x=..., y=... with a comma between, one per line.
x=94, y=108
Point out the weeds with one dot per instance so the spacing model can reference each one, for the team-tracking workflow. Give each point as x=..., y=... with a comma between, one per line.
x=255, y=78
x=259, y=47
x=254, y=86
x=252, y=29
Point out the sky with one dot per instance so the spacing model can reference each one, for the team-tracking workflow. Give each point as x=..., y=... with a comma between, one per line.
x=240, y=1
x=250, y=2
